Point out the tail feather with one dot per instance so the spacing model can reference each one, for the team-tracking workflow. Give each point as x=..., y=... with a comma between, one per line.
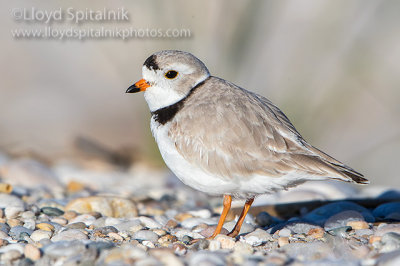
x=339, y=167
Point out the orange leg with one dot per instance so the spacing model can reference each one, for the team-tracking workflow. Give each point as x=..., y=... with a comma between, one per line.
x=235, y=231
x=227, y=206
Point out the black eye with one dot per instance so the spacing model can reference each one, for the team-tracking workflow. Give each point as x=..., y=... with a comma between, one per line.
x=171, y=74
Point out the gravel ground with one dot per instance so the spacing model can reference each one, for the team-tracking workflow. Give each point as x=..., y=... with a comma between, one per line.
x=94, y=213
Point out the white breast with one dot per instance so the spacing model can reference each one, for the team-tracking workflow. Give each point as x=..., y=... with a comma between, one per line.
x=188, y=173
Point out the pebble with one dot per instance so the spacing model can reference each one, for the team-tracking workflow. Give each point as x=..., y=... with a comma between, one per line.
x=87, y=219
x=76, y=225
x=69, y=235
x=131, y=226
x=342, y=219
x=226, y=241
x=386, y=228
x=195, y=221
x=316, y=233
x=16, y=231
x=357, y=225
x=209, y=231
x=149, y=223
x=166, y=240
x=264, y=219
x=41, y=234
x=214, y=245
x=246, y=227
x=390, y=242
x=388, y=211
x=321, y=214
x=283, y=241
x=51, y=211
x=107, y=206
x=142, y=235
x=284, y=232
x=256, y=238
x=364, y=232
x=31, y=252
x=45, y=226
x=207, y=258
x=64, y=249
x=4, y=227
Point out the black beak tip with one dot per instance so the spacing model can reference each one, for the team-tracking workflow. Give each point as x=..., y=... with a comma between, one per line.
x=132, y=89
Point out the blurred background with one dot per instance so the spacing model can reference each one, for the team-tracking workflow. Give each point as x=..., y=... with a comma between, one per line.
x=331, y=66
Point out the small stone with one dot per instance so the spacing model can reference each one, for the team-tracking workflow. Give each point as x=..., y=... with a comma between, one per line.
x=3, y=235
x=203, y=213
x=340, y=231
x=69, y=215
x=143, y=235
x=284, y=232
x=149, y=223
x=84, y=218
x=4, y=227
x=11, y=255
x=77, y=225
x=41, y=234
x=159, y=232
x=115, y=236
x=64, y=249
x=342, y=219
x=207, y=258
x=74, y=186
x=386, y=228
x=316, y=233
x=364, y=232
x=14, y=222
x=179, y=249
x=70, y=235
x=171, y=224
x=165, y=256
x=13, y=211
x=388, y=211
x=15, y=232
x=214, y=245
x=107, y=206
x=3, y=242
x=31, y=252
x=131, y=226
x=246, y=227
x=356, y=225
x=282, y=241
x=183, y=216
x=148, y=244
x=102, y=231
x=201, y=244
x=209, y=231
x=45, y=226
x=374, y=239
x=263, y=219
x=391, y=242
x=243, y=248
x=226, y=241
x=257, y=238
x=51, y=211
x=166, y=240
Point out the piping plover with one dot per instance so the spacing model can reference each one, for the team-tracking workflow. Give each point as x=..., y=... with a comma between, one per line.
x=224, y=140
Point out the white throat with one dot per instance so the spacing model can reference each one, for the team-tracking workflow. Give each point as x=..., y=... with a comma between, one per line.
x=160, y=96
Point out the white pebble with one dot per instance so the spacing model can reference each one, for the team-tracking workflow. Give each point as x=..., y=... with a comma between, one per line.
x=41, y=234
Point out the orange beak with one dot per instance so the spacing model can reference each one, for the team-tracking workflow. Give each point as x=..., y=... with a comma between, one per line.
x=141, y=85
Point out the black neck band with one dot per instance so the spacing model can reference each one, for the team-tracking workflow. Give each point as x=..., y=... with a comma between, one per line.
x=165, y=114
